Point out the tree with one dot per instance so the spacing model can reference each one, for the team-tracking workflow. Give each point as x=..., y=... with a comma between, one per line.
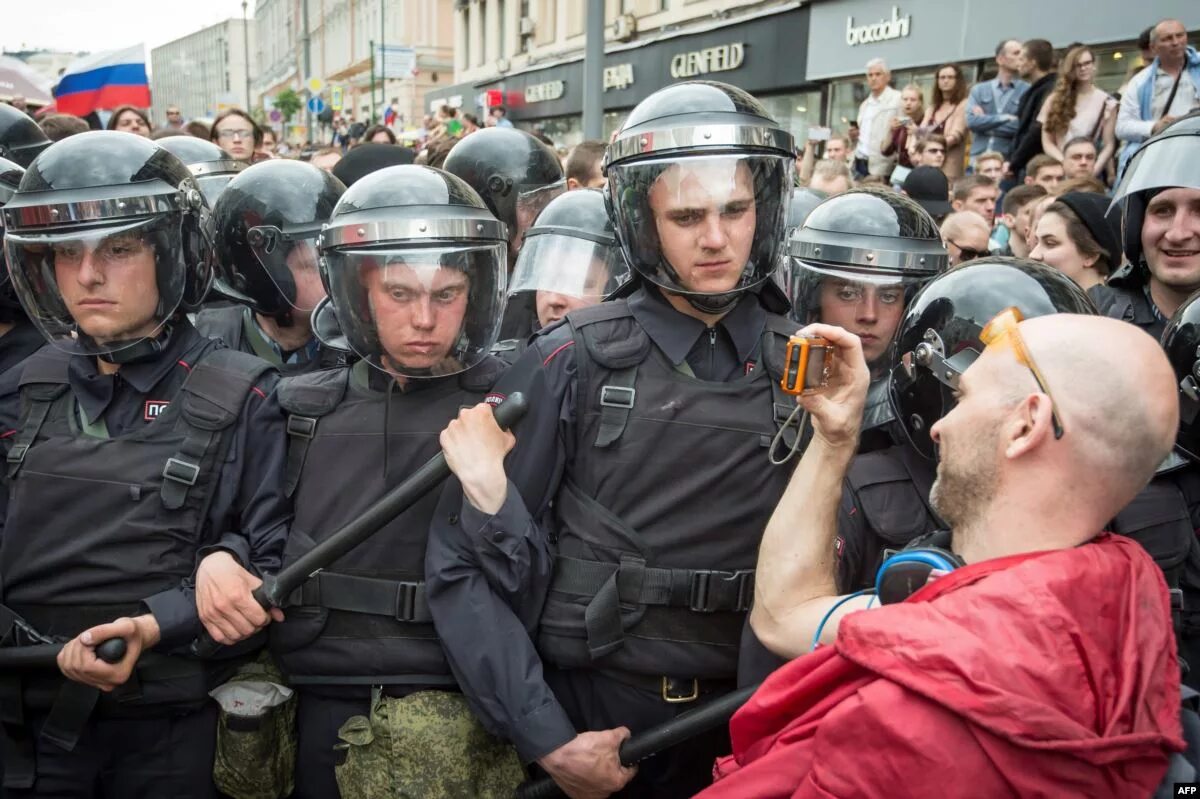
x=287, y=102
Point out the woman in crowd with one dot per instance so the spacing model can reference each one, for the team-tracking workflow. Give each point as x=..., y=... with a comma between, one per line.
x=379, y=134
x=130, y=120
x=1075, y=236
x=947, y=116
x=237, y=134
x=1076, y=107
x=904, y=128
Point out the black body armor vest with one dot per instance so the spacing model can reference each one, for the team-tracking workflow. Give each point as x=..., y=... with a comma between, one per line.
x=229, y=325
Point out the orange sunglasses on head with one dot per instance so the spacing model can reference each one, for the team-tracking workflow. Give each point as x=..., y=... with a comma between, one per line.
x=1005, y=325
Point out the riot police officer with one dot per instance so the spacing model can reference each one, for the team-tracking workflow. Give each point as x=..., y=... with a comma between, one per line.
x=266, y=224
x=856, y=262
x=1159, y=196
x=569, y=259
x=21, y=140
x=18, y=337
x=644, y=456
x=146, y=460
x=211, y=166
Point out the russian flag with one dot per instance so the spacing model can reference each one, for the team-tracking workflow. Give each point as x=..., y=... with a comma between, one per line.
x=104, y=81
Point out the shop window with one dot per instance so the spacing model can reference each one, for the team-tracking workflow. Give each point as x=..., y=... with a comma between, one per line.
x=796, y=112
x=1116, y=65
x=565, y=131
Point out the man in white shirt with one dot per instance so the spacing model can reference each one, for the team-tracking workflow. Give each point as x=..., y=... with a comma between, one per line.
x=1162, y=92
x=874, y=121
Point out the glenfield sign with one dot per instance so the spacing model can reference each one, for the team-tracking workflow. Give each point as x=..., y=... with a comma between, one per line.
x=722, y=58
x=884, y=30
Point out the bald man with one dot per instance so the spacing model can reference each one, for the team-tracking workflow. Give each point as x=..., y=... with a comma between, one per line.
x=966, y=236
x=1045, y=663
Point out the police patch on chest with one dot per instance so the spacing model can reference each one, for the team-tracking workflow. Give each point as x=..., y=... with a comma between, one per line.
x=154, y=409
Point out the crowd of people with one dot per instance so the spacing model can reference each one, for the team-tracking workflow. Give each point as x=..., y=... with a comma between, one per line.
x=907, y=436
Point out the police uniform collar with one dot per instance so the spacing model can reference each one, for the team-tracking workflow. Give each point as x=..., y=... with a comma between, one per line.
x=95, y=391
x=676, y=333
x=375, y=379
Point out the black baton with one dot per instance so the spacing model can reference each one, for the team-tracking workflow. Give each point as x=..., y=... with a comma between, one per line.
x=42, y=656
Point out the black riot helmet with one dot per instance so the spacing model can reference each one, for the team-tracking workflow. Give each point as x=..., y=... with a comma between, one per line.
x=939, y=336
x=266, y=224
x=1168, y=160
x=804, y=201
x=415, y=265
x=21, y=140
x=699, y=181
x=10, y=179
x=1181, y=340
x=514, y=173
x=212, y=167
x=570, y=252
x=104, y=200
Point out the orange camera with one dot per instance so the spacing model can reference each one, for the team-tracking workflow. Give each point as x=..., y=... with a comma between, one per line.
x=807, y=364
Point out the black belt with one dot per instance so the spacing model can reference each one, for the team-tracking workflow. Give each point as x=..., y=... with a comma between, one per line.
x=403, y=601
x=673, y=690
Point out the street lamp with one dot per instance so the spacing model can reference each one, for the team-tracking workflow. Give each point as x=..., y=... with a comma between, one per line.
x=246, y=52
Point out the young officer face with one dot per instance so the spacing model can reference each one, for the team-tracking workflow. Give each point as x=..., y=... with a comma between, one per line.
x=870, y=312
x=418, y=310
x=110, y=285
x=1171, y=238
x=705, y=217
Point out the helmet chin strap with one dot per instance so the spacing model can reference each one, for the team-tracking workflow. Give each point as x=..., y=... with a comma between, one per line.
x=141, y=350
x=712, y=303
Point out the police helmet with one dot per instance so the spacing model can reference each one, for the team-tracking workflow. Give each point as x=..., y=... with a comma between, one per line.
x=1181, y=340
x=118, y=197
x=212, y=167
x=699, y=182
x=10, y=179
x=569, y=252
x=21, y=140
x=1170, y=159
x=415, y=266
x=514, y=173
x=939, y=335
x=266, y=224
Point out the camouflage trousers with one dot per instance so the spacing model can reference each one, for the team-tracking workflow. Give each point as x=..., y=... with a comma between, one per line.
x=427, y=745
x=256, y=733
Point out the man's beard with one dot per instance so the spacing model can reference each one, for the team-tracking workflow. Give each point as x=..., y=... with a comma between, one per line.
x=966, y=481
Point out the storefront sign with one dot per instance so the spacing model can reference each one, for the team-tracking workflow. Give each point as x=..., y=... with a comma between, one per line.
x=619, y=76
x=711, y=59
x=541, y=92
x=881, y=31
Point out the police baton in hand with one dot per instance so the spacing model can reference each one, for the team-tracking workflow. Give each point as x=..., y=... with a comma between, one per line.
x=658, y=739
x=276, y=588
x=45, y=656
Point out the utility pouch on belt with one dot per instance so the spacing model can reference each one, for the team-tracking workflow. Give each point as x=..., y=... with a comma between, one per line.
x=427, y=745
x=256, y=733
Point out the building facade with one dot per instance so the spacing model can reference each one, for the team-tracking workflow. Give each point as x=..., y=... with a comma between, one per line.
x=203, y=73
x=341, y=35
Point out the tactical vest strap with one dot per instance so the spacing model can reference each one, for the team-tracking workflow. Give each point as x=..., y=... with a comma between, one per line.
x=43, y=381
x=39, y=409
x=403, y=601
x=307, y=398
x=616, y=401
x=212, y=398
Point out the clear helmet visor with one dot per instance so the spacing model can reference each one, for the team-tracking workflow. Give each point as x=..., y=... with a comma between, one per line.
x=103, y=289
x=419, y=311
x=531, y=200
x=211, y=186
x=703, y=225
x=1170, y=162
x=564, y=272
x=290, y=260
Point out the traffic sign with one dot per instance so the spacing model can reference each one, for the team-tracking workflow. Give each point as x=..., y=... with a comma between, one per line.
x=316, y=105
x=335, y=98
x=315, y=85
x=276, y=115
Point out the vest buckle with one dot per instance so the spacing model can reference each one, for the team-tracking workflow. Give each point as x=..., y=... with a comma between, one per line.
x=617, y=396
x=406, y=601
x=181, y=471
x=711, y=591
x=17, y=453
x=301, y=426
x=676, y=691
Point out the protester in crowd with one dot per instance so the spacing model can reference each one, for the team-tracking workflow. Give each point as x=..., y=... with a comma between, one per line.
x=1077, y=237
x=129, y=119
x=991, y=165
x=174, y=118
x=199, y=129
x=928, y=186
x=966, y=236
x=470, y=124
x=912, y=111
x=379, y=134
x=1036, y=209
x=1079, y=158
x=1017, y=207
x=1165, y=90
x=269, y=143
x=19, y=102
x=875, y=114
x=1084, y=183
x=1045, y=171
x=1077, y=107
x=837, y=148
x=832, y=177
x=60, y=126
x=930, y=150
x=583, y=165
x=946, y=116
x=237, y=134
x=993, y=104
x=370, y=157
x=326, y=158
x=976, y=193
x=1037, y=69
x=498, y=117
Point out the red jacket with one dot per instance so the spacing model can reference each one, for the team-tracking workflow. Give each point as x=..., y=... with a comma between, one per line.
x=1050, y=674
